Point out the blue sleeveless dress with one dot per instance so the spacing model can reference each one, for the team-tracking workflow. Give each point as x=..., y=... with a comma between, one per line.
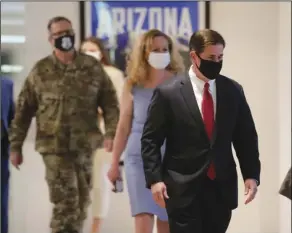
x=141, y=200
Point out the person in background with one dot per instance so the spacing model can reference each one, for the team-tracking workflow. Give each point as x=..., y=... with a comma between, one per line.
x=7, y=113
x=94, y=47
x=153, y=60
x=285, y=189
x=101, y=186
x=200, y=115
x=63, y=91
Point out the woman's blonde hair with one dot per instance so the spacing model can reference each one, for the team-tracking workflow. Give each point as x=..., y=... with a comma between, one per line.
x=137, y=64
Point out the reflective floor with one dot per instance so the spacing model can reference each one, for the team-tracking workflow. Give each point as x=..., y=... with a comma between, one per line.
x=30, y=209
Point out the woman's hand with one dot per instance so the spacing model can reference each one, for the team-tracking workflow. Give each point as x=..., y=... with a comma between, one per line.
x=114, y=173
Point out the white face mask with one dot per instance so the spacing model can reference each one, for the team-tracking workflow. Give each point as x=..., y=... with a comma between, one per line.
x=159, y=60
x=97, y=54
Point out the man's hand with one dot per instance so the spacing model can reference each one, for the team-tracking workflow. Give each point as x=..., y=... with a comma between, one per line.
x=16, y=159
x=108, y=145
x=251, y=188
x=159, y=193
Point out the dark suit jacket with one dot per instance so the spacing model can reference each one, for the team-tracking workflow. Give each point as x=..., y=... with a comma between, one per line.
x=7, y=105
x=285, y=189
x=174, y=115
x=7, y=108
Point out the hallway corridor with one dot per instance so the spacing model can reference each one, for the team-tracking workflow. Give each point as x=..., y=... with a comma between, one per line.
x=30, y=209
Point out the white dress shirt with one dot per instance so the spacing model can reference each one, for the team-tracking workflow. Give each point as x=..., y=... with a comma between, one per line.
x=198, y=87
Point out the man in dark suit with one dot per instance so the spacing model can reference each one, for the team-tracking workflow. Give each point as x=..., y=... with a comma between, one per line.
x=285, y=189
x=7, y=112
x=200, y=115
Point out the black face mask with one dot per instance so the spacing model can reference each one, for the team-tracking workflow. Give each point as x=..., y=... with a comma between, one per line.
x=210, y=69
x=65, y=43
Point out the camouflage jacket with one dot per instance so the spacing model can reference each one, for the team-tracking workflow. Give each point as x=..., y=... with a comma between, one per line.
x=64, y=99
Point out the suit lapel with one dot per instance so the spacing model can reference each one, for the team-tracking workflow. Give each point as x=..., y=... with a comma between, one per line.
x=192, y=104
x=221, y=100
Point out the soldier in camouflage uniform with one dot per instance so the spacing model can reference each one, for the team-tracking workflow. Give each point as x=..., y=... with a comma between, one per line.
x=63, y=91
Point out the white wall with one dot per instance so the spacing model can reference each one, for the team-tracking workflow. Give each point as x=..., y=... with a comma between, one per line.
x=284, y=74
x=37, y=15
x=258, y=55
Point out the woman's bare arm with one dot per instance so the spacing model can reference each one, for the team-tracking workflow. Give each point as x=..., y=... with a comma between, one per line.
x=124, y=124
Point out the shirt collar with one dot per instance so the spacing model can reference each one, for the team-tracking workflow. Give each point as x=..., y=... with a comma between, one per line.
x=198, y=82
x=63, y=66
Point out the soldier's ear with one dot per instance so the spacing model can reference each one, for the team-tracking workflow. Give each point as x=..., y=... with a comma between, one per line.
x=50, y=39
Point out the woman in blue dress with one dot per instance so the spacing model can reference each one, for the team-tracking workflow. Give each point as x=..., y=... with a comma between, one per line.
x=152, y=61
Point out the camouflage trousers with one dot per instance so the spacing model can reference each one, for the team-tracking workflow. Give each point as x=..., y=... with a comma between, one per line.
x=69, y=181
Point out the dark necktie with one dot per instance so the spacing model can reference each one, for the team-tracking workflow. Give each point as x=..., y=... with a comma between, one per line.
x=208, y=117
